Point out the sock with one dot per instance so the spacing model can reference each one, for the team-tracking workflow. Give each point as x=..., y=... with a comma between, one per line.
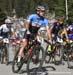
x=19, y=59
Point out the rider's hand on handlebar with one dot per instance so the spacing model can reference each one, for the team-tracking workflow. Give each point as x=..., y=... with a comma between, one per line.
x=68, y=40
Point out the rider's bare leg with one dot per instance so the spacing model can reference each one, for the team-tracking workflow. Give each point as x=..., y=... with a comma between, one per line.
x=24, y=44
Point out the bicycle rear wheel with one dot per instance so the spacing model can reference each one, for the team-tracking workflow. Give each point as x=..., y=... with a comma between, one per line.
x=35, y=60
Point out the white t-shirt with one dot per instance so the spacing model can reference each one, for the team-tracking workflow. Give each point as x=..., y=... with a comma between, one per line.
x=5, y=28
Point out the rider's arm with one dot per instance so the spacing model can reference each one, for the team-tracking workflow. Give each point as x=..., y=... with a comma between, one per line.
x=65, y=33
x=27, y=22
x=48, y=30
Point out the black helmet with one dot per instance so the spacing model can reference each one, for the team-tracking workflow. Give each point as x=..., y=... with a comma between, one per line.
x=42, y=8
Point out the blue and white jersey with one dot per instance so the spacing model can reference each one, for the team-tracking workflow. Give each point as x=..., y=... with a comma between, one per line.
x=40, y=21
x=36, y=22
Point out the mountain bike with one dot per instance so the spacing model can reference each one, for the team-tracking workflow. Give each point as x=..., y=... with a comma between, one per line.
x=32, y=53
x=55, y=53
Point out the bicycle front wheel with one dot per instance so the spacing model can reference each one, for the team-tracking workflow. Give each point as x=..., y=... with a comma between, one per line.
x=15, y=67
x=58, y=54
x=35, y=60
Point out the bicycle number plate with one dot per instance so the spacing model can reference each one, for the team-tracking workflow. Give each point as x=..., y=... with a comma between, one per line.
x=6, y=40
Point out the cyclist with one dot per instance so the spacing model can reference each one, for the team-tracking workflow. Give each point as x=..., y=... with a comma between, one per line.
x=33, y=23
x=57, y=27
x=55, y=33
x=55, y=30
x=70, y=32
x=5, y=29
x=5, y=32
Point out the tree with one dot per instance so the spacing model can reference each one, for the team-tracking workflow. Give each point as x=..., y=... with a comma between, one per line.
x=26, y=7
x=2, y=17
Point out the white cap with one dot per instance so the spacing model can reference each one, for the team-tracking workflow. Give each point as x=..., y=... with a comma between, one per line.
x=8, y=21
